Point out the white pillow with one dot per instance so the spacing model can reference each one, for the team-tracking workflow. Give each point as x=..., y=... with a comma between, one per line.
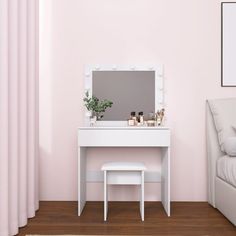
x=230, y=146
x=224, y=114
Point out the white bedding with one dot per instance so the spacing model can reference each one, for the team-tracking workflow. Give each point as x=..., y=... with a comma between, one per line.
x=226, y=169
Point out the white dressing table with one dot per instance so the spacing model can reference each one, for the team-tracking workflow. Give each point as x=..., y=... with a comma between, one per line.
x=158, y=137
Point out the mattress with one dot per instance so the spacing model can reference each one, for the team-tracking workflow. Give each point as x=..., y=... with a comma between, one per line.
x=226, y=169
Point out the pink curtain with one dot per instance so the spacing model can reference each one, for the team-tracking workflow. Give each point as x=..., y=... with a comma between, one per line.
x=18, y=113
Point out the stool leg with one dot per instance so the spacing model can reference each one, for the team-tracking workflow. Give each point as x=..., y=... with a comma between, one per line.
x=142, y=196
x=105, y=196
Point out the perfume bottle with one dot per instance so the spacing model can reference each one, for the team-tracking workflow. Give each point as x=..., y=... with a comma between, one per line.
x=140, y=118
x=132, y=120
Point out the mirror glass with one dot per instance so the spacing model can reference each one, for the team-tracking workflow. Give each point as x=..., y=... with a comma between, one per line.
x=128, y=90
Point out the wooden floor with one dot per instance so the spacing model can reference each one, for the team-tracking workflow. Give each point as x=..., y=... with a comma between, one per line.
x=124, y=219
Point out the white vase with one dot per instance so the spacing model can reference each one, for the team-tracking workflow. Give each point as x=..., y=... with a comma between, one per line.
x=93, y=120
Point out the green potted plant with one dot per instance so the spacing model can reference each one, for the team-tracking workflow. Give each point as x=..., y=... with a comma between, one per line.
x=95, y=106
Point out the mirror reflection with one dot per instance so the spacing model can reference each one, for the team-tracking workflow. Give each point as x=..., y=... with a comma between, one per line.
x=130, y=91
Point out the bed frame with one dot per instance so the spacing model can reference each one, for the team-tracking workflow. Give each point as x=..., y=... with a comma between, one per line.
x=221, y=195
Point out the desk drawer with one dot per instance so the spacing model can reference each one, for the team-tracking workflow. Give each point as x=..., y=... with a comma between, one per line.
x=123, y=138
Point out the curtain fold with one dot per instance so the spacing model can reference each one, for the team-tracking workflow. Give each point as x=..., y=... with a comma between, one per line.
x=18, y=113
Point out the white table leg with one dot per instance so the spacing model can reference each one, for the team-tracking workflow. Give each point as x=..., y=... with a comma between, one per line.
x=142, y=196
x=81, y=179
x=105, y=196
x=165, y=179
x=140, y=199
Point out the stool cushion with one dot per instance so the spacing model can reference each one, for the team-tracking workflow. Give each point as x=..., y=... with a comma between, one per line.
x=131, y=166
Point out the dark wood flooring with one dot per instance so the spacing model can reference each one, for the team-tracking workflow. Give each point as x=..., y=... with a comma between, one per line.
x=190, y=219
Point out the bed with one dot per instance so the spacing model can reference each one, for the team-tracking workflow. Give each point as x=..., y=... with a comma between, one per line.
x=220, y=114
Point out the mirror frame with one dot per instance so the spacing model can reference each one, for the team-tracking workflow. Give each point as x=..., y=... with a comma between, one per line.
x=159, y=86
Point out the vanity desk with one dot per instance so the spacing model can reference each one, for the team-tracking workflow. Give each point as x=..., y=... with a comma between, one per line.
x=130, y=89
x=159, y=137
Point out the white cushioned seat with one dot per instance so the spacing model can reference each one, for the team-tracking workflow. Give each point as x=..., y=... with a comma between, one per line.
x=124, y=166
x=226, y=169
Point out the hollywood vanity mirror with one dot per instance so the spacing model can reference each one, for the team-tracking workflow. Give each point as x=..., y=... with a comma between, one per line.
x=130, y=88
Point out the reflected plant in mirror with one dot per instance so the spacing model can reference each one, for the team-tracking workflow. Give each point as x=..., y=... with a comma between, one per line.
x=96, y=107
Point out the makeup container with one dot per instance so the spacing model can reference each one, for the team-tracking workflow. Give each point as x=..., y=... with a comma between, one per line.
x=151, y=123
x=133, y=119
x=140, y=118
x=151, y=119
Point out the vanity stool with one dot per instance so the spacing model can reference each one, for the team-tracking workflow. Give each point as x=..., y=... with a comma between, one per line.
x=123, y=173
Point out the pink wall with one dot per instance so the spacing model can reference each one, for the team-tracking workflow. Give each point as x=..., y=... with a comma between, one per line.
x=183, y=35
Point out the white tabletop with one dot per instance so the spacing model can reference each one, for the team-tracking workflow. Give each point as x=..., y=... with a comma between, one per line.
x=124, y=128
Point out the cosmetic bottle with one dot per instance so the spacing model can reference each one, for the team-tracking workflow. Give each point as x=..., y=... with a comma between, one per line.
x=140, y=118
x=133, y=117
x=151, y=119
x=132, y=120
